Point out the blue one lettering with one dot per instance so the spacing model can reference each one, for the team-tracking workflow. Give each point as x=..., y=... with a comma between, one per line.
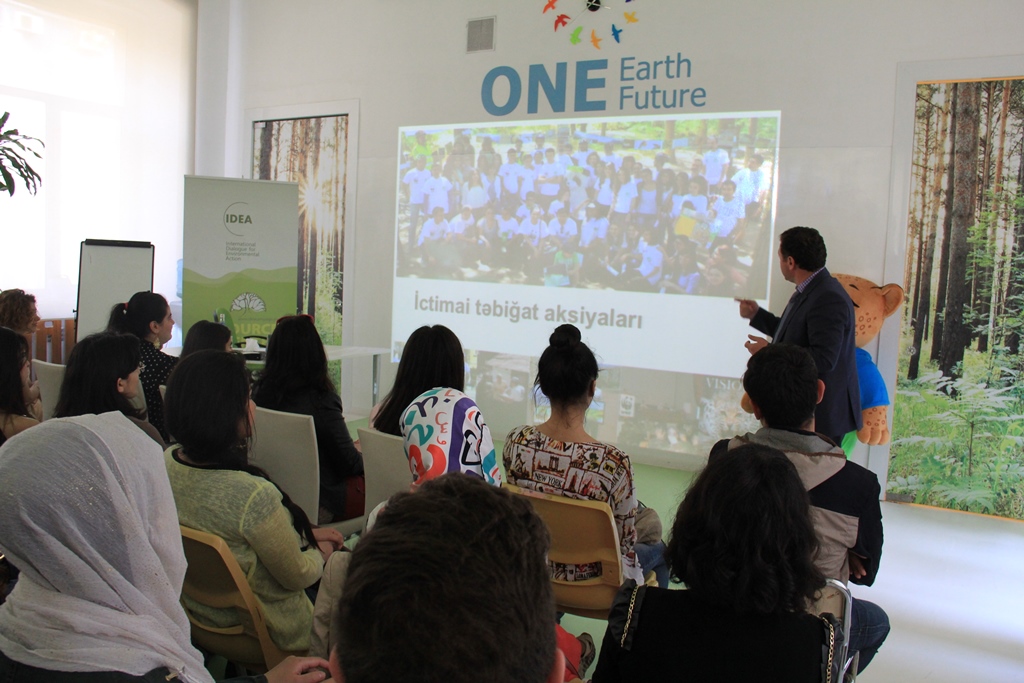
x=539, y=79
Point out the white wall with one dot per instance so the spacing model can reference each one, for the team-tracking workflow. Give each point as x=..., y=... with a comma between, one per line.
x=831, y=68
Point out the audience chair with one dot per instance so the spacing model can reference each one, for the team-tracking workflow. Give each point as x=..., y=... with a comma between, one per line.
x=385, y=465
x=50, y=376
x=214, y=578
x=835, y=599
x=582, y=531
x=284, y=445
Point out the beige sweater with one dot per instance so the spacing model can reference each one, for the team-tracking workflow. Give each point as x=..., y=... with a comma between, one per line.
x=246, y=511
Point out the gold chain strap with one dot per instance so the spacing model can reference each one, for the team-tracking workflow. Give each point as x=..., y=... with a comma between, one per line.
x=629, y=616
x=831, y=649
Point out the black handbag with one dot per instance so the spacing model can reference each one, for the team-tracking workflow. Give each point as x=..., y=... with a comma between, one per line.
x=831, y=662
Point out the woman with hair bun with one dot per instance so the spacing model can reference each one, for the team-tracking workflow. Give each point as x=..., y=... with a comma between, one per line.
x=148, y=317
x=559, y=457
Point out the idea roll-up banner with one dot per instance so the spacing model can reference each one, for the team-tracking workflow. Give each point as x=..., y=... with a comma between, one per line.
x=240, y=245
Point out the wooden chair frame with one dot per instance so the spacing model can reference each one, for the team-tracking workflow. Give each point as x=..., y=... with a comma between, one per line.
x=214, y=578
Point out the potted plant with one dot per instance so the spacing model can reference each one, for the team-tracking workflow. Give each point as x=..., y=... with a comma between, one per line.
x=13, y=153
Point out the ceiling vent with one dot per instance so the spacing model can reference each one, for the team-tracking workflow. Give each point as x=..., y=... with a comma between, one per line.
x=480, y=35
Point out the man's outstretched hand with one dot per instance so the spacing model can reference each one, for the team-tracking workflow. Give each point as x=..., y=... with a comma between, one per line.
x=755, y=343
x=748, y=308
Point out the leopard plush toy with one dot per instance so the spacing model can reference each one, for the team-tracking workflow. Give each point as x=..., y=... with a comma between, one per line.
x=872, y=305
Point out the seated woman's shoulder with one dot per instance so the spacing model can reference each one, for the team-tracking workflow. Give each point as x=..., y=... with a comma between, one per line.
x=522, y=432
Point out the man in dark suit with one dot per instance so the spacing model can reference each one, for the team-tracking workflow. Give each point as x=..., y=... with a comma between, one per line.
x=820, y=318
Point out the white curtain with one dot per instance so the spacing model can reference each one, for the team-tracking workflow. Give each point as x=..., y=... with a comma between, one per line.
x=109, y=86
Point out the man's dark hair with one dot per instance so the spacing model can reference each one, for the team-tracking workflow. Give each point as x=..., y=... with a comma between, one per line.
x=782, y=381
x=743, y=536
x=450, y=586
x=806, y=247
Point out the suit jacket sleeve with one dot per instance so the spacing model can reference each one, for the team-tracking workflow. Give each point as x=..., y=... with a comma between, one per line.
x=869, y=533
x=828, y=323
x=765, y=321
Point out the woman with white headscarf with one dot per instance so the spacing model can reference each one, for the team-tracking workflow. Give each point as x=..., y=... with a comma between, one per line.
x=86, y=513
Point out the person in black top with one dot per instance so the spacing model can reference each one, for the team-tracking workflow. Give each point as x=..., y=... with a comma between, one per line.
x=295, y=380
x=148, y=317
x=743, y=543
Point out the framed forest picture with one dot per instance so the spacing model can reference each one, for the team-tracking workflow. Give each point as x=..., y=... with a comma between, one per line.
x=313, y=151
x=958, y=425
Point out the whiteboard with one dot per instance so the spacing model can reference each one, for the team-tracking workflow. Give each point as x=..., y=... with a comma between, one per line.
x=109, y=272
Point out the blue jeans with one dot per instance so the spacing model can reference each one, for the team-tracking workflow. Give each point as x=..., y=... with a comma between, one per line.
x=652, y=559
x=869, y=625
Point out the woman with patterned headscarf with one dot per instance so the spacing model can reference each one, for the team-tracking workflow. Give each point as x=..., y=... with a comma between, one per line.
x=444, y=431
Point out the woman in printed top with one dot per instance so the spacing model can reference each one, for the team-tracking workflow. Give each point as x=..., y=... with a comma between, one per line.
x=559, y=457
x=148, y=317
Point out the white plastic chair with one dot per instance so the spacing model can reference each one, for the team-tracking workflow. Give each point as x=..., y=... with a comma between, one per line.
x=50, y=376
x=285, y=447
x=385, y=464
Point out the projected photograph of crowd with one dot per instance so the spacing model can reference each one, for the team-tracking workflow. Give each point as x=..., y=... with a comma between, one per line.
x=642, y=411
x=676, y=206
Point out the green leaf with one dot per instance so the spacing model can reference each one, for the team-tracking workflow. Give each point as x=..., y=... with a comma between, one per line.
x=8, y=181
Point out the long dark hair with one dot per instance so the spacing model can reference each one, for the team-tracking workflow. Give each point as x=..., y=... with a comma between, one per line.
x=135, y=316
x=205, y=334
x=566, y=368
x=432, y=357
x=90, y=379
x=207, y=411
x=13, y=354
x=743, y=536
x=296, y=362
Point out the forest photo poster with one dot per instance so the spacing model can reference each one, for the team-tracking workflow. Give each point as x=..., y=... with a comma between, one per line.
x=958, y=425
x=312, y=151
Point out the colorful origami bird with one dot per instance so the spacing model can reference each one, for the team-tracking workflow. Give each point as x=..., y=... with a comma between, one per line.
x=630, y=17
x=615, y=33
x=551, y=5
x=595, y=40
x=561, y=20
x=575, y=37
